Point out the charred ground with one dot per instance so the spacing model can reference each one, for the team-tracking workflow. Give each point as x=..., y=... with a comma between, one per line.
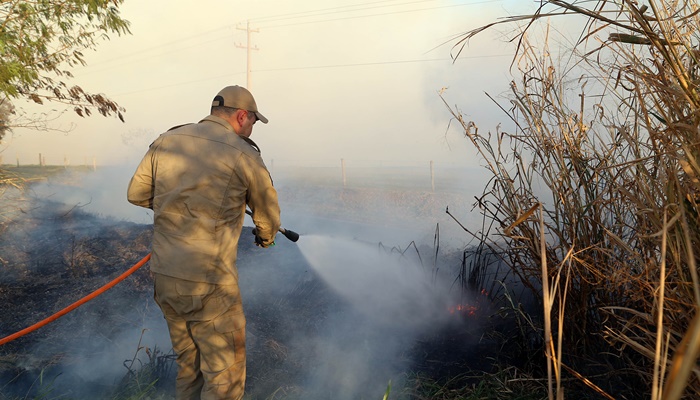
x=299, y=331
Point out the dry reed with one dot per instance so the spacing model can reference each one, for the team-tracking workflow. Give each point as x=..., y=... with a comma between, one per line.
x=605, y=146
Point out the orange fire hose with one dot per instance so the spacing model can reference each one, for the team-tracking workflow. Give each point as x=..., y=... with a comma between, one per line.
x=77, y=303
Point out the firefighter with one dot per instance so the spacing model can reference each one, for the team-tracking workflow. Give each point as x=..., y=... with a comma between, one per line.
x=198, y=180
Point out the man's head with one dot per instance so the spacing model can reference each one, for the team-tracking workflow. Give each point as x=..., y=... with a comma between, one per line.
x=237, y=105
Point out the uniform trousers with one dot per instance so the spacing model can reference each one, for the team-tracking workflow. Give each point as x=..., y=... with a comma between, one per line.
x=207, y=330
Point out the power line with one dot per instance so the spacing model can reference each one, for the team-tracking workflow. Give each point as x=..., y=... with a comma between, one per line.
x=149, y=49
x=136, y=53
x=211, y=78
x=113, y=64
x=306, y=68
x=376, y=63
x=380, y=14
x=297, y=15
x=335, y=10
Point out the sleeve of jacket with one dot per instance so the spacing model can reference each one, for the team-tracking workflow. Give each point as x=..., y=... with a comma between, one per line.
x=141, y=187
x=261, y=198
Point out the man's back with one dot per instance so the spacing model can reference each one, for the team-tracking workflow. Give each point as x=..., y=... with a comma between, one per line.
x=202, y=175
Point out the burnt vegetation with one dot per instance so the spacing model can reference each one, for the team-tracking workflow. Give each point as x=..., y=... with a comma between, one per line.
x=299, y=329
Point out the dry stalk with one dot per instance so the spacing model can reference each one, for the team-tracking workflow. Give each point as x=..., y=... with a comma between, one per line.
x=547, y=306
x=657, y=387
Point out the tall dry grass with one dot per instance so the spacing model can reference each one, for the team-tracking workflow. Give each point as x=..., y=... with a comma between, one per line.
x=596, y=191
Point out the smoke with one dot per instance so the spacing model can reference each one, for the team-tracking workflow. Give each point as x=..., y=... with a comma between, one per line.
x=342, y=307
x=87, y=353
x=95, y=360
x=389, y=289
x=66, y=237
x=101, y=192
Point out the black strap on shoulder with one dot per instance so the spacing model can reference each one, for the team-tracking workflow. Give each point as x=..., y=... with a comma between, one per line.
x=251, y=143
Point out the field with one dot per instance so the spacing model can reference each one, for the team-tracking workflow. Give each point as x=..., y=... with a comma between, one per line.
x=305, y=339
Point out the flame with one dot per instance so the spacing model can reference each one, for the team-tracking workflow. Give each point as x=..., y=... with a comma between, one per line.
x=464, y=309
x=467, y=309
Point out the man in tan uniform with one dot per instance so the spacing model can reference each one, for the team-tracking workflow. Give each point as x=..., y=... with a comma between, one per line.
x=198, y=180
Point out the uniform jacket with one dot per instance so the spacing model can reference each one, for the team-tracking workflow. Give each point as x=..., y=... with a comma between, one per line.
x=198, y=179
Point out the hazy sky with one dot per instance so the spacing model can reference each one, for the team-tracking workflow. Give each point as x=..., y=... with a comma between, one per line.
x=351, y=79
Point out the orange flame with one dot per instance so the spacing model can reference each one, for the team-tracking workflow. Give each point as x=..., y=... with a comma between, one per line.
x=464, y=309
x=468, y=310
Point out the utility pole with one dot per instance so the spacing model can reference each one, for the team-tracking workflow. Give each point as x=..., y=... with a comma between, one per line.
x=248, y=47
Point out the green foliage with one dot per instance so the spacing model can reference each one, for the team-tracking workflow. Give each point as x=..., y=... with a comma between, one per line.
x=6, y=112
x=42, y=40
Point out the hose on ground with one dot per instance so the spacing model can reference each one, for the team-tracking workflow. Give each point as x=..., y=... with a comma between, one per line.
x=77, y=304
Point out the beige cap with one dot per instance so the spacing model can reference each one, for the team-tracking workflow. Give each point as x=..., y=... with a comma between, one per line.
x=237, y=97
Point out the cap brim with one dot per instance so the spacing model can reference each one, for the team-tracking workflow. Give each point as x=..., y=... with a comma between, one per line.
x=260, y=117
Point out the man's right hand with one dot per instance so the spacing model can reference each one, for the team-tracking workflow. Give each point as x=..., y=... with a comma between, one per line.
x=258, y=240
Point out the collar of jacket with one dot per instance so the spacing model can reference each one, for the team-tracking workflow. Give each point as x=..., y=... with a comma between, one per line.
x=225, y=124
x=220, y=121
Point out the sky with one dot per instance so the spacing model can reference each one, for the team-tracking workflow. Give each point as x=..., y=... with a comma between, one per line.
x=356, y=80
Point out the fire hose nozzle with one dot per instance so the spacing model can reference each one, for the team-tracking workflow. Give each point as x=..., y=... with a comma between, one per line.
x=291, y=235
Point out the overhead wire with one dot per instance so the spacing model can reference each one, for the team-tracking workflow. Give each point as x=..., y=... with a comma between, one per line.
x=150, y=49
x=127, y=62
x=381, y=14
x=376, y=63
x=310, y=68
x=336, y=10
x=209, y=78
x=298, y=15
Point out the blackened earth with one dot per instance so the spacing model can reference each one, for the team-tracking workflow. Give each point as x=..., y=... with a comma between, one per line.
x=303, y=340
